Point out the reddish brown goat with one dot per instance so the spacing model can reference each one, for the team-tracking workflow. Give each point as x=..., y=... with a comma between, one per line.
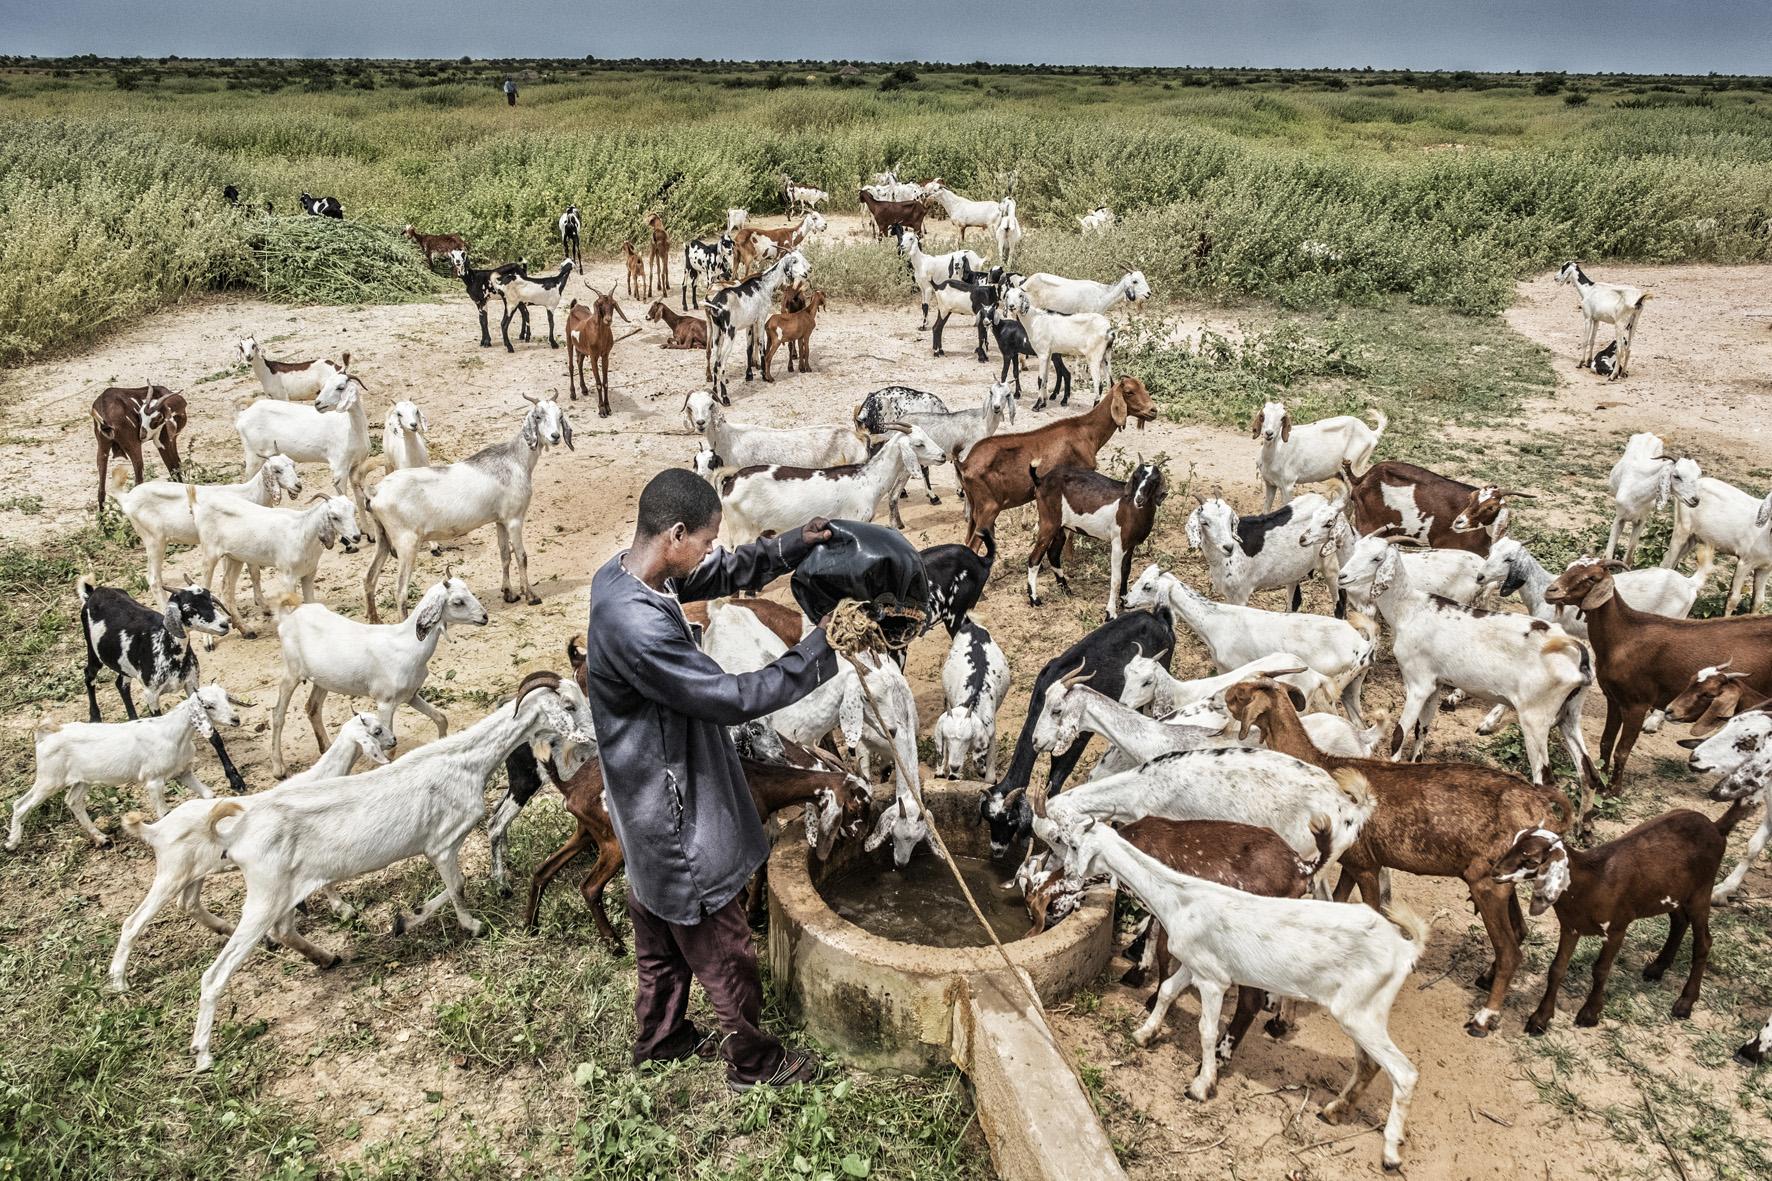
x=590, y=332
x=658, y=259
x=1443, y=820
x=125, y=417
x=637, y=275
x=1443, y=513
x=795, y=328
x=995, y=472
x=1663, y=866
x=435, y=244
x=886, y=214
x=748, y=250
x=1713, y=696
x=687, y=332
x=1643, y=661
x=1075, y=500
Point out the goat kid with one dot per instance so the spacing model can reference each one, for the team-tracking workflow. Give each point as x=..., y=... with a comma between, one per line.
x=974, y=682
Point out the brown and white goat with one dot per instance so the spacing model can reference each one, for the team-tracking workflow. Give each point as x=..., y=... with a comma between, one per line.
x=590, y=333
x=1075, y=500
x=1417, y=503
x=638, y=277
x=1448, y=820
x=996, y=473
x=1663, y=866
x=786, y=622
x=1644, y=661
x=658, y=258
x=435, y=244
x=1713, y=696
x=794, y=328
x=753, y=245
x=126, y=417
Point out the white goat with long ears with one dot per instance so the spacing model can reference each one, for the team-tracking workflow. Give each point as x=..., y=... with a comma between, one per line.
x=333, y=431
x=743, y=444
x=403, y=436
x=1235, y=635
x=491, y=487
x=1148, y=684
x=1641, y=483
x=889, y=726
x=181, y=862
x=1351, y=960
x=162, y=515
x=1605, y=303
x=1741, y=752
x=966, y=215
x=745, y=307
x=974, y=682
x=1085, y=335
x=1096, y=221
x=929, y=269
x=1730, y=521
x=148, y=751
x=290, y=842
x=1055, y=293
x=232, y=533
x=286, y=380
x=1313, y=452
x=387, y=663
x=1510, y=567
x=1007, y=231
x=776, y=497
x=1269, y=552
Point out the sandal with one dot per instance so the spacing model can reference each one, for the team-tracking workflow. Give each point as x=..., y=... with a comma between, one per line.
x=796, y=1066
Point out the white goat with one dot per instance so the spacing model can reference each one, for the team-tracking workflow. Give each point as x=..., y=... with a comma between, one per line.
x=956, y=431
x=802, y=196
x=741, y=444
x=403, y=436
x=1055, y=293
x=777, y=497
x=1731, y=522
x=1510, y=567
x=737, y=219
x=1742, y=753
x=929, y=269
x=182, y=862
x=161, y=513
x=974, y=682
x=1642, y=482
x=387, y=663
x=1605, y=303
x=148, y=751
x=1236, y=635
x=1271, y=552
x=739, y=642
x=889, y=704
x=1097, y=220
x=1148, y=684
x=284, y=380
x=966, y=215
x=333, y=431
x=1293, y=455
x=233, y=533
x=491, y=487
x=1007, y=231
x=1086, y=335
x=1351, y=960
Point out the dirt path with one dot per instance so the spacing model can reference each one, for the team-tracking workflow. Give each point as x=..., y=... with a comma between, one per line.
x=1701, y=371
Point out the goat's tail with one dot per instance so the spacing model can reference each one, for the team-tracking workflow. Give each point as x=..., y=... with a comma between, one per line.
x=1323, y=833
x=1412, y=926
x=1346, y=474
x=1353, y=785
x=1643, y=299
x=1568, y=644
x=84, y=585
x=1727, y=821
x=45, y=726
x=283, y=604
x=225, y=810
x=137, y=825
x=1379, y=421
x=1034, y=474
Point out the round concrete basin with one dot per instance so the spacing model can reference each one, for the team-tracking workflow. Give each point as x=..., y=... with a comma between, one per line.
x=889, y=1005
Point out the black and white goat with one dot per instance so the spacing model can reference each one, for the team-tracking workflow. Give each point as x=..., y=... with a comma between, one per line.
x=891, y=404
x=542, y=291
x=974, y=682
x=974, y=295
x=140, y=644
x=322, y=207
x=745, y=307
x=482, y=288
x=569, y=226
x=957, y=576
x=703, y=262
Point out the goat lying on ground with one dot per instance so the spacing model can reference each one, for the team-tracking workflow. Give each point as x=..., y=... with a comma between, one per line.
x=687, y=332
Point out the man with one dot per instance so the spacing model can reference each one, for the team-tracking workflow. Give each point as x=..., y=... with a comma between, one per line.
x=673, y=784
x=510, y=92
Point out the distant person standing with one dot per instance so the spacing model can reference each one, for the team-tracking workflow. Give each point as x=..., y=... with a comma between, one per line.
x=510, y=92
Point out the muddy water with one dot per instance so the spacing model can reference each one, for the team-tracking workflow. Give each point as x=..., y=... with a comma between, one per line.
x=921, y=903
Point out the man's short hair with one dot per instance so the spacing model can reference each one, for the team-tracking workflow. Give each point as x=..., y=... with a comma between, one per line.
x=676, y=494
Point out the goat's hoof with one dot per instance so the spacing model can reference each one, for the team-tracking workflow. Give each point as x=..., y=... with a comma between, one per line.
x=1033, y=602
x=1717, y=897
x=1393, y=1166
x=1587, y=1020
x=1277, y=1028
x=116, y=986
x=1682, y=1010
x=935, y=500
x=1485, y=981
x=534, y=600
x=1535, y=1026
x=204, y=1061
x=101, y=842
x=1476, y=1028
x=1331, y=1113
x=332, y=961
x=510, y=596
x=1193, y=1092
x=399, y=925
x=1653, y=971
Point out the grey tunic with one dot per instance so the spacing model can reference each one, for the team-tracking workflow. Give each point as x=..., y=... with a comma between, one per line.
x=672, y=781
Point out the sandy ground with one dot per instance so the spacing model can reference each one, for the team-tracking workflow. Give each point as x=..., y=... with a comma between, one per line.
x=1700, y=370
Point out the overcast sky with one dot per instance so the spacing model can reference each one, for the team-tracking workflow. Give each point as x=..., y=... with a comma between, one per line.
x=1634, y=36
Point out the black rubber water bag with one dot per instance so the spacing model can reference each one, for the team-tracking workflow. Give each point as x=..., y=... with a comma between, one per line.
x=876, y=567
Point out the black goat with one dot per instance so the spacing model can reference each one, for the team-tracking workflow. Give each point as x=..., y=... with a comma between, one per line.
x=957, y=576
x=481, y=289
x=231, y=194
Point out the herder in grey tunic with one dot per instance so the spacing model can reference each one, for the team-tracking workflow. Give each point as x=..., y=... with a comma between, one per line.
x=672, y=781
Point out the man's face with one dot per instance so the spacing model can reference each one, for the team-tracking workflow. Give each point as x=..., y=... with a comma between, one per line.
x=684, y=550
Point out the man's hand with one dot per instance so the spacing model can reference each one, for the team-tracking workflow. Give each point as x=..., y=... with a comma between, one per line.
x=817, y=530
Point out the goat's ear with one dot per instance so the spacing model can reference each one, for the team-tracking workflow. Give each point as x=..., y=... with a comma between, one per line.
x=1297, y=696
x=531, y=435
x=429, y=614
x=1286, y=427
x=1255, y=424
x=328, y=534
x=1117, y=408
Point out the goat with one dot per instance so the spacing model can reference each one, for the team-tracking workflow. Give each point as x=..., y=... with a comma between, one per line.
x=1643, y=661
x=1605, y=303
x=149, y=751
x=1317, y=452
x=1149, y=684
x=333, y=431
x=966, y=215
x=1712, y=697
x=1511, y=568
x=753, y=244
x=929, y=269
x=957, y=577
x=637, y=276
x=1662, y=866
x=886, y=214
x=387, y=663
x=687, y=332
x=126, y=417
x=996, y=473
x=745, y=307
x=181, y=864
x=970, y=295
x=1097, y=220
x=590, y=333
x=1353, y=962
x=491, y=487
x=1055, y=293
x=1450, y=820
x=322, y=207
x=797, y=196
x=1739, y=750
x=1236, y=635
x=1013, y=344
x=956, y=432
x=740, y=445
x=1641, y=482
x=703, y=262
x=233, y=533
x=1414, y=502
x=778, y=497
x=786, y=622
x=569, y=226
x=1007, y=231
x=794, y=328
x=127, y=639
x=1101, y=655
x=1731, y=522
x=1077, y=501
x=1086, y=335
x=403, y=436
x=737, y=219
x=526, y=290
x=435, y=244
x=974, y=682
x=482, y=285
x=658, y=256
x=288, y=380
x=162, y=516
x=1268, y=552
x=891, y=404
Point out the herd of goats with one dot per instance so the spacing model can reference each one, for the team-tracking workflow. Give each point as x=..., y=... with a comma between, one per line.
x=1258, y=777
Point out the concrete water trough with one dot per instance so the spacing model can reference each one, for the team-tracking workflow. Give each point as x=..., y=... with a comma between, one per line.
x=888, y=1004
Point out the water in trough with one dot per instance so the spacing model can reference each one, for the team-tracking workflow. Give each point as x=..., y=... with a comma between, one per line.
x=921, y=903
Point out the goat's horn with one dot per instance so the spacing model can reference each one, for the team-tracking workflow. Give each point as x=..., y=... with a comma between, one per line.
x=1138, y=651
x=1516, y=493
x=232, y=700
x=530, y=398
x=320, y=496
x=1723, y=667
x=542, y=679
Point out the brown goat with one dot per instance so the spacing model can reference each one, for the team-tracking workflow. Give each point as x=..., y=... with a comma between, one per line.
x=637, y=273
x=785, y=622
x=1443, y=820
x=435, y=244
x=747, y=242
x=1713, y=696
x=1445, y=514
x=1663, y=866
x=995, y=473
x=590, y=332
x=124, y=417
x=796, y=329
x=687, y=332
x=658, y=259
x=886, y=214
x=1643, y=661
